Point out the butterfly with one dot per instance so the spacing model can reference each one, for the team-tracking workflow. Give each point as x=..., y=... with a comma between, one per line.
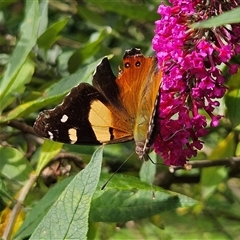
x=112, y=109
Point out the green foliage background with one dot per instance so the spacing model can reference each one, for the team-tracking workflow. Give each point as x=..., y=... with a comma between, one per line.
x=46, y=48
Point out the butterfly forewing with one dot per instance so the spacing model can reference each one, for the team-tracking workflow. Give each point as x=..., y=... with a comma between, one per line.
x=139, y=83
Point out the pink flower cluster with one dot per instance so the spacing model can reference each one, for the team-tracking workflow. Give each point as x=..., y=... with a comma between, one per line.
x=192, y=81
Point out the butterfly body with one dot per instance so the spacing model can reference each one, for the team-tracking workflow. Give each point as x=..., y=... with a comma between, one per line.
x=112, y=110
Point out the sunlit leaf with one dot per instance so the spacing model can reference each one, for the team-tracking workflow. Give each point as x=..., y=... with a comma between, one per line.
x=68, y=217
x=29, y=31
x=23, y=77
x=49, y=150
x=43, y=8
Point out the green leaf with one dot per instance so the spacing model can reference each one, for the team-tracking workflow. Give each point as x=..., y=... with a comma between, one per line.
x=48, y=151
x=68, y=217
x=43, y=8
x=212, y=176
x=229, y=17
x=23, y=77
x=14, y=165
x=50, y=36
x=148, y=169
x=53, y=94
x=125, y=185
x=29, y=30
x=132, y=199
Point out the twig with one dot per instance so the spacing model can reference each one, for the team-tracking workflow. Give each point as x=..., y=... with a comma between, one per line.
x=17, y=207
x=166, y=178
x=30, y=146
x=208, y=163
x=27, y=132
x=23, y=127
x=69, y=156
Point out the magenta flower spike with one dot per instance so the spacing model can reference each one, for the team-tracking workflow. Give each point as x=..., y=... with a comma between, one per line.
x=192, y=80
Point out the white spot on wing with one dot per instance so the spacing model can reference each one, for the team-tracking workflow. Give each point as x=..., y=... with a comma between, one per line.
x=64, y=118
x=50, y=135
x=72, y=133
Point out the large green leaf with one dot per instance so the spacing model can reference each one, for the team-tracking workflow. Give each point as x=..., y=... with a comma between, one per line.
x=29, y=30
x=126, y=198
x=68, y=217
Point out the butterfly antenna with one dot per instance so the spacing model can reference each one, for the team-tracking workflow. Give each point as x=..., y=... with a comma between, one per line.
x=105, y=184
x=148, y=158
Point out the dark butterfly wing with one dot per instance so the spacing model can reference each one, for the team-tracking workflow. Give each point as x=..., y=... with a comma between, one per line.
x=89, y=114
x=71, y=114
